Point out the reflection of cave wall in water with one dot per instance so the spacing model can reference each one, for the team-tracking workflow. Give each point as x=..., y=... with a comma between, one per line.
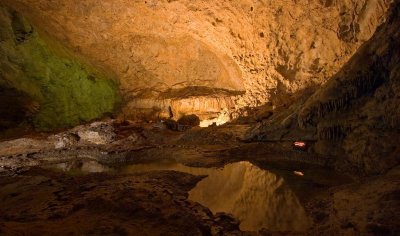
x=257, y=197
x=79, y=167
x=58, y=91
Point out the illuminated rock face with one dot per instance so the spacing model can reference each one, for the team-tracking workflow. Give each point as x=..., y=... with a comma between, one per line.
x=355, y=114
x=266, y=50
x=210, y=105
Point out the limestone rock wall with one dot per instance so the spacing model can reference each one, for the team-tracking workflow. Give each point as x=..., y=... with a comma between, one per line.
x=206, y=107
x=271, y=49
x=354, y=116
x=358, y=108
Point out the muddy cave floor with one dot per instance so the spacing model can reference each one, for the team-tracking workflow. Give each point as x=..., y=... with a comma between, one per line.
x=106, y=179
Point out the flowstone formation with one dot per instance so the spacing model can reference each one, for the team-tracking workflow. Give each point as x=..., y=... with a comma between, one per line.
x=42, y=82
x=354, y=116
x=357, y=113
x=239, y=54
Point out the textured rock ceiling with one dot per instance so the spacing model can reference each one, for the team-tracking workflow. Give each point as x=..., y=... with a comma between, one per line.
x=265, y=50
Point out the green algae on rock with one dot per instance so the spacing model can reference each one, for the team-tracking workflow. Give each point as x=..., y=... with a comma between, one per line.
x=66, y=92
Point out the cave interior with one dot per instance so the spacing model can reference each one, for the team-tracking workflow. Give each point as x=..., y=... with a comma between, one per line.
x=199, y=117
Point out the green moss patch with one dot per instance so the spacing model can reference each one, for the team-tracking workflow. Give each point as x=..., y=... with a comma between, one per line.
x=68, y=92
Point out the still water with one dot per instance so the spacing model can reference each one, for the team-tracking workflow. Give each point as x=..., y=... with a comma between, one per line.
x=257, y=197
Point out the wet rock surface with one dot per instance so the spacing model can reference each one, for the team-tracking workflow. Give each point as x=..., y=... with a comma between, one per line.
x=347, y=210
x=88, y=184
x=145, y=204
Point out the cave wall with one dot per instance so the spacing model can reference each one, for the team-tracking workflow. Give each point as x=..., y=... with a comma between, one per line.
x=357, y=111
x=41, y=83
x=354, y=117
x=261, y=51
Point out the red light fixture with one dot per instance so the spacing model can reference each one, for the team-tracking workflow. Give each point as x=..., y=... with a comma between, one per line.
x=300, y=145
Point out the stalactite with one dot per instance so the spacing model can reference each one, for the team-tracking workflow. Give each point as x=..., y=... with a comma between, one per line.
x=334, y=132
x=363, y=84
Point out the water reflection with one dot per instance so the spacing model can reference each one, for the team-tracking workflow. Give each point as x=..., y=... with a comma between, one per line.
x=167, y=166
x=79, y=167
x=258, y=198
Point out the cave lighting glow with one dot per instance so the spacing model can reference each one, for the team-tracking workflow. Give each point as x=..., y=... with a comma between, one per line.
x=223, y=118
